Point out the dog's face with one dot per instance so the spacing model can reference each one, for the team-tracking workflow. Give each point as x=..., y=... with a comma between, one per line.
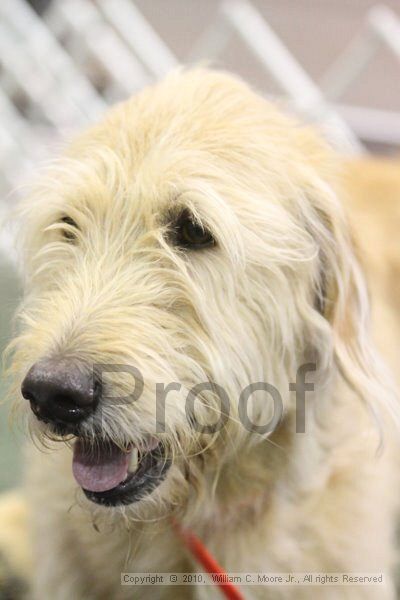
x=179, y=253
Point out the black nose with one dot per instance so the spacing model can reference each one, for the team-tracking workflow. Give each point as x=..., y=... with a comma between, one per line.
x=60, y=392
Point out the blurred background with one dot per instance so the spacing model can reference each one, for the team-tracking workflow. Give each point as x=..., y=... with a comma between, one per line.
x=335, y=62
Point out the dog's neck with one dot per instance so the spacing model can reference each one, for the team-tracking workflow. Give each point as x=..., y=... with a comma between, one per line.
x=244, y=487
x=248, y=484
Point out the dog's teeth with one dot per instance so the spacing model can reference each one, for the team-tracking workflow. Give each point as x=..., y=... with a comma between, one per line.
x=134, y=460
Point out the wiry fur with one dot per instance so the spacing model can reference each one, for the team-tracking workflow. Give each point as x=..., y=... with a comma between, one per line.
x=281, y=288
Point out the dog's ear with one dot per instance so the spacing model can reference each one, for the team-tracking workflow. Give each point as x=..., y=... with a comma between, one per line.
x=341, y=297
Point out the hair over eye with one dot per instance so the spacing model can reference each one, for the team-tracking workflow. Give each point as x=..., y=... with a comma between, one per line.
x=70, y=230
x=190, y=233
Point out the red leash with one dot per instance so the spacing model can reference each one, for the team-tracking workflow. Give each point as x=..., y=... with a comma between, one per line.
x=203, y=556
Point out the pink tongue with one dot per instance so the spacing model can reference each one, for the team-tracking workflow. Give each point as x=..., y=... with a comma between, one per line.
x=101, y=468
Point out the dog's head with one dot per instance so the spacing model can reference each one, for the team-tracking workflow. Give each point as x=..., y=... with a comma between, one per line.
x=183, y=260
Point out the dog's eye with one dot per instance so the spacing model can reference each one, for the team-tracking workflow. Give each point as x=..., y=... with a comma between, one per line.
x=68, y=232
x=191, y=234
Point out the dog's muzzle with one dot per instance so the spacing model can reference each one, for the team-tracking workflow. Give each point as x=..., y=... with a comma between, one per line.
x=64, y=395
x=60, y=393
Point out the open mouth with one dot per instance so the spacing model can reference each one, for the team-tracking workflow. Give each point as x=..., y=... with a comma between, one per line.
x=112, y=477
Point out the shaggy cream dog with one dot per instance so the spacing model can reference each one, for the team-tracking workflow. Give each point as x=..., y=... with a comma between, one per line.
x=192, y=248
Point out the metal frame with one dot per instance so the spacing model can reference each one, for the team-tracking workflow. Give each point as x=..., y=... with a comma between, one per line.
x=132, y=54
x=61, y=89
x=241, y=16
x=345, y=124
x=138, y=35
x=382, y=28
x=84, y=25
